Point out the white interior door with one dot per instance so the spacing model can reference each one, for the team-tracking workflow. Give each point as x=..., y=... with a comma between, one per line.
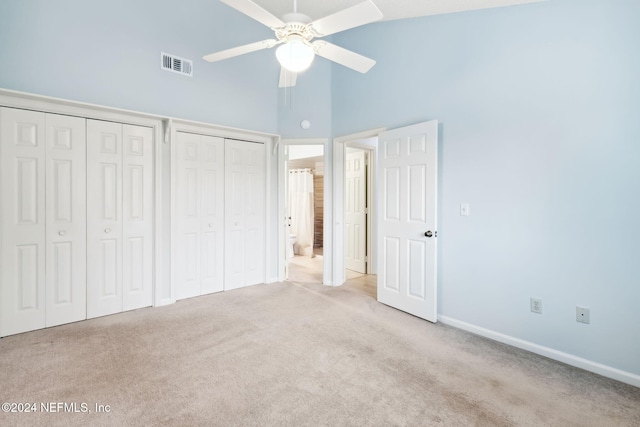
x=104, y=218
x=22, y=157
x=355, y=221
x=137, y=217
x=200, y=229
x=244, y=214
x=407, y=219
x=66, y=227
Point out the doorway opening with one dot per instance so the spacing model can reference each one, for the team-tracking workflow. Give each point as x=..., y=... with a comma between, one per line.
x=356, y=212
x=304, y=197
x=359, y=209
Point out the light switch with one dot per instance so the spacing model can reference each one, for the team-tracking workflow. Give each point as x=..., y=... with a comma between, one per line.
x=464, y=209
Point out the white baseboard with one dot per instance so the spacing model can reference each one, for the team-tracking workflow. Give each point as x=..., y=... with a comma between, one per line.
x=569, y=359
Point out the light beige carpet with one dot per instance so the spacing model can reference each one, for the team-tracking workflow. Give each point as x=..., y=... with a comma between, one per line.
x=294, y=354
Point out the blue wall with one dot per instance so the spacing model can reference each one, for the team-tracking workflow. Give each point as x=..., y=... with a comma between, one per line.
x=539, y=108
x=108, y=53
x=310, y=99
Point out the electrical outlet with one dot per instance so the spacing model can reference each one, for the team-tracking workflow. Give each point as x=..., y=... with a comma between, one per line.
x=582, y=314
x=536, y=305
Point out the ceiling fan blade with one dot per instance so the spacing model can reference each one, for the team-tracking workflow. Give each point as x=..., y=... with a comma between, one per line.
x=287, y=78
x=354, y=16
x=256, y=12
x=240, y=50
x=343, y=56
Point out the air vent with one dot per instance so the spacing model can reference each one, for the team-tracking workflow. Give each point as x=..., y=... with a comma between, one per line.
x=176, y=64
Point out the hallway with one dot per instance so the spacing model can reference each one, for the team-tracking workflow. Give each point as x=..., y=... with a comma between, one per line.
x=303, y=269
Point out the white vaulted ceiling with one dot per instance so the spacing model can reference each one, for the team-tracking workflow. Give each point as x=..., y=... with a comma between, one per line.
x=391, y=9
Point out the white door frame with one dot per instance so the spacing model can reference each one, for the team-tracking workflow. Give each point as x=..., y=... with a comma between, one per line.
x=283, y=240
x=339, y=154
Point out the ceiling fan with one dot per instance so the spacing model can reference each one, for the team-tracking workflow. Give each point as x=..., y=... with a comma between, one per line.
x=295, y=32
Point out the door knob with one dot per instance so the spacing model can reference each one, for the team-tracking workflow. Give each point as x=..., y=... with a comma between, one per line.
x=107, y=230
x=428, y=233
x=61, y=233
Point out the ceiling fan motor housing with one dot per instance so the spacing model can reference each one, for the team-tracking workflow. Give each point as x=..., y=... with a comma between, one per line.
x=297, y=28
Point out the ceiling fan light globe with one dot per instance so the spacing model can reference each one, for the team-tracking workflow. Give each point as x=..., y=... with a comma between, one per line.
x=295, y=56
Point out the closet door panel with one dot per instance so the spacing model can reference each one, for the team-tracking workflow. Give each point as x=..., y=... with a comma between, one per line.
x=66, y=281
x=22, y=160
x=254, y=215
x=234, y=259
x=104, y=218
x=235, y=198
x=244, y=213
x=212, y=214
x=137, y=217
x=211, y=271
x=189, y=192
x=200, y=234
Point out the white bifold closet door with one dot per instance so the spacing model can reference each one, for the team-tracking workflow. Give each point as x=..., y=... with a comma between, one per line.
x=244, y=214
x=200, y=211
x=66, y=220
x=119, y=217
x=43, y=280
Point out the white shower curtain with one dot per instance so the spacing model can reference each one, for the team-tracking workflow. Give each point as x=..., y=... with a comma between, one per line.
x=301, y=210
